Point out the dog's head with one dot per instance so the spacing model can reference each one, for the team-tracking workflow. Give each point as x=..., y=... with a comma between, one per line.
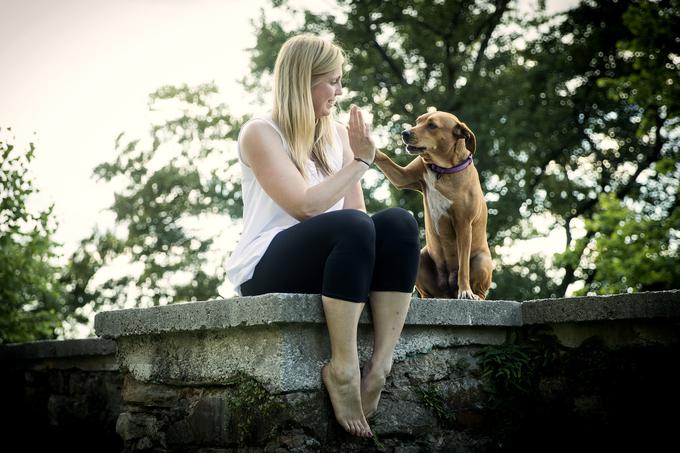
x=440, y=138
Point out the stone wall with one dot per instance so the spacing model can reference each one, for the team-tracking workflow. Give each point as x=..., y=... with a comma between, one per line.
x=61, y=396
x=243, y=373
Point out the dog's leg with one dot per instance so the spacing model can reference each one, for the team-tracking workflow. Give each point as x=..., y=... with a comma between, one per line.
x=401, y=177
x=464, y=242
x=426, y=280
x=423, y=292
x=453, y=283
x=481, y=268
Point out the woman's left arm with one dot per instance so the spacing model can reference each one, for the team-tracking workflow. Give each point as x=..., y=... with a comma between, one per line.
x=355, y=196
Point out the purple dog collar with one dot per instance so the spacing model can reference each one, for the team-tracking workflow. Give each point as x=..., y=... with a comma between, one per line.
x=460, y=167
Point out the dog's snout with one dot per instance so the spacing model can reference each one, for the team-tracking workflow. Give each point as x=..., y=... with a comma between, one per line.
x=406, y=135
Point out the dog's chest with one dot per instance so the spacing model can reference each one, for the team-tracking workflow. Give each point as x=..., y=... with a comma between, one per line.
x=438, y=205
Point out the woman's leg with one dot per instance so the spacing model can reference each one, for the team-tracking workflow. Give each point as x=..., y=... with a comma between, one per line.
x=389, y=310
x=342, y=376
x=332, y=254
x=397, y=258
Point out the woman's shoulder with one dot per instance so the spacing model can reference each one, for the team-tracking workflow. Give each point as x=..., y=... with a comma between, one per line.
x=258, y=127
x=258, y=136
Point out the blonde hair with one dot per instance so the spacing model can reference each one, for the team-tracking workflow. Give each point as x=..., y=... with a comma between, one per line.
x=299, y=65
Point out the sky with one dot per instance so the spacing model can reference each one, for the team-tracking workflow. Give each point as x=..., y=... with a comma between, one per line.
x=76, y=73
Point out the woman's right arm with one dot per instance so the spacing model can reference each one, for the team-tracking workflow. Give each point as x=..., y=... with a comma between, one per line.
x=262, y=151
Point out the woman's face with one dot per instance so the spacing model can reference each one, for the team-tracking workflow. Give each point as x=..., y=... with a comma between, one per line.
x=324, y=92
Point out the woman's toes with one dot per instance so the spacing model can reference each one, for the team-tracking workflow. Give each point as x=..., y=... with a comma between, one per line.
x=358, y=430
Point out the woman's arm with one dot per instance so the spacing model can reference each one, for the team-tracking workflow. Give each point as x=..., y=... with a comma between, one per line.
x=262, y=150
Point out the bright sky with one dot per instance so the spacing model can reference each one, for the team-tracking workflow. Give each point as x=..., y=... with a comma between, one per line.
x=78, y=72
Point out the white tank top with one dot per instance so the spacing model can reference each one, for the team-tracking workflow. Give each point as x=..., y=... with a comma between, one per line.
x=262, y=217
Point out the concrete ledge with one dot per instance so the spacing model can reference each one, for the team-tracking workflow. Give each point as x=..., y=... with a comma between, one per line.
x=56, y=349
x=660, y=304
x=456, y=312
x=282, y=341
x=211, y=315
x=279, y=339
x=273, y=309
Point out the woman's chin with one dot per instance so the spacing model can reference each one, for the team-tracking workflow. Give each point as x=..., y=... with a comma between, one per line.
x=324, y=112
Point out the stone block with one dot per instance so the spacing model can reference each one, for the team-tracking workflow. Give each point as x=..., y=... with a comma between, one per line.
x=135, y=426
x=402, y=417
x=208, y=423
x=148, y=394
x=649, y=305
x=310, y=411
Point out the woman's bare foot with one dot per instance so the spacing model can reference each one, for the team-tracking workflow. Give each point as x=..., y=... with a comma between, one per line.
x=372, y=384
x=343, y=389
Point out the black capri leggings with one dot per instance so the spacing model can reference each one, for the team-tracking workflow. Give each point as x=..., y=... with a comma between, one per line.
x=341, y=254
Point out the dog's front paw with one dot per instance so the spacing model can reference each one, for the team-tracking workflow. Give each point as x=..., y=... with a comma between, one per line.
x=468, y=294
x=380, y=156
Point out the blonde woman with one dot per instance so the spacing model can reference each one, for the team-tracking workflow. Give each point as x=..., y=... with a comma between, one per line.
x=306, y=229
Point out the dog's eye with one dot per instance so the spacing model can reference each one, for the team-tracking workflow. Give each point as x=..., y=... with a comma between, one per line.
x=431, y=126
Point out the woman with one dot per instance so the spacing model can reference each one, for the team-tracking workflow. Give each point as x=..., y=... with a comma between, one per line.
x=306, y=229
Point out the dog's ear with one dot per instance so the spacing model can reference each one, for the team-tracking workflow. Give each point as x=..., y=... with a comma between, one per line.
x=423, y=117
x=470, y=140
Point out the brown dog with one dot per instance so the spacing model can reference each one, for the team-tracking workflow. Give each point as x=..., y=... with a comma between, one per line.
x=456, y=261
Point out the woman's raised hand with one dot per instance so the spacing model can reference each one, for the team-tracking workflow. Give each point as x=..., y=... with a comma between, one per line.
x=359, y=136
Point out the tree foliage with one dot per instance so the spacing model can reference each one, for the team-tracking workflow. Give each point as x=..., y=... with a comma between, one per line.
x=635, y=118
x=31, y=302
x=630, y=250
x=171, y=187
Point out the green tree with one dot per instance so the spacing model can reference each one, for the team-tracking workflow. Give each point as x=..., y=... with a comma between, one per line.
x=31, y=302
x=630, y=98
x=631, y=250
x=171, y=186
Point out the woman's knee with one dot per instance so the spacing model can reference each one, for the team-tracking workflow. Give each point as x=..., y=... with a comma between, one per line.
x=396, y=222
x=349, y=266
x=397, y=251
x=355, y=226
